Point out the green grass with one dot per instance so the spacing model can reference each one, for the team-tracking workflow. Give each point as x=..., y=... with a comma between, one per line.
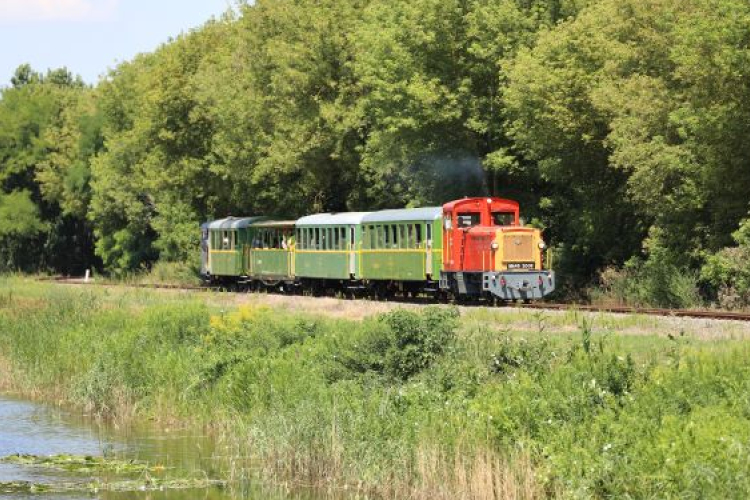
x=425, y=403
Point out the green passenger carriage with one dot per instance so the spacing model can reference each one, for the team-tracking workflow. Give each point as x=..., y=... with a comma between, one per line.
x=402, y=245
x=225, y=242
x=269, y=256
x=327, y=246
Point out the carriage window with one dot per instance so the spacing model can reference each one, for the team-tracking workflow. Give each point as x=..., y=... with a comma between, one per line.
x=372, y=235
x=503, y=218
x=225, y=243
x=428, y=226
x=404, y=243
x=410, y=235
x=343, y=238
x=316, y=239
x=387, y=237
x=468, y=219
x=418, y=233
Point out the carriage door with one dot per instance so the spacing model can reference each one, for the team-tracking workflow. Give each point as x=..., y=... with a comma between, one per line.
x=206, y=245
x=352, y=253
x=428, y=248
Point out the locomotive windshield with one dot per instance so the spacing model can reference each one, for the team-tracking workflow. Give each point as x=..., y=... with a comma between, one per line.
x=503, y=218
x=468, y=219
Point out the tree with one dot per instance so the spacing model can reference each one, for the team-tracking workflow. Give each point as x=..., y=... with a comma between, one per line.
x=30, y=111
x=20, y=227
x=634, y=114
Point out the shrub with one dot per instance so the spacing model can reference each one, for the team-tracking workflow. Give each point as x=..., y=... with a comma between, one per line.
x=649, y=283
x=532, y=356
x=402, y=343
x=173, y=273
x=727, y=273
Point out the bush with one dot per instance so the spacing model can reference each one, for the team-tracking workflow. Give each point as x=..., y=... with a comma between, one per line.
x=173, y=273
x=727, y=273
x=402, y=343
x=649, y=283
x=514, y=354
x=663, y=279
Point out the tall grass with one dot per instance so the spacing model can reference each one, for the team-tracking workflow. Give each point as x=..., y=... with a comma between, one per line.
x=405, y=404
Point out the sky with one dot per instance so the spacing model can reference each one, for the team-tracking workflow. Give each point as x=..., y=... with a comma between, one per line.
x=90, y=36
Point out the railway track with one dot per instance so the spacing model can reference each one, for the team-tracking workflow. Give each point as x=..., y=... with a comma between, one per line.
x=674, y=313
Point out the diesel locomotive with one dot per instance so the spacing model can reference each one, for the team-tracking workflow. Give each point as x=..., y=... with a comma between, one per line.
x=468, y=248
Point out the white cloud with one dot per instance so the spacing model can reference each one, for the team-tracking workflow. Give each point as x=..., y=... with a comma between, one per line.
x=56, y=10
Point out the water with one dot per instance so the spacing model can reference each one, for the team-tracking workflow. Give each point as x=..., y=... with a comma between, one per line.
x=32, y=428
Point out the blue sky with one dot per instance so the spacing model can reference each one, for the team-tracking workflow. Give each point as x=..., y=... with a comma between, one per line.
x=90, y=36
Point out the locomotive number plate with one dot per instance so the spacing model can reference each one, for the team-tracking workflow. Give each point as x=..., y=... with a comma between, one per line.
x=520, y=265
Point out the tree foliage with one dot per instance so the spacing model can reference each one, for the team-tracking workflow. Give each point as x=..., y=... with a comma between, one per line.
x=619, y=125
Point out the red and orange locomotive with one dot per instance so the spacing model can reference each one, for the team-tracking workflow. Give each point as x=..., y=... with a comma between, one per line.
x=486, y=251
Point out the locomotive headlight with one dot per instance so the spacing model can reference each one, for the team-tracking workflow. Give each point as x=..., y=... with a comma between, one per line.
x=542, y=245
x=494, y=245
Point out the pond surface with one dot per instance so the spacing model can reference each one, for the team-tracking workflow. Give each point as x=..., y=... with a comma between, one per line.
x=37, y=429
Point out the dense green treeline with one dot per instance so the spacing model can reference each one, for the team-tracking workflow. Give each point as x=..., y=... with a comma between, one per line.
x=619, y=125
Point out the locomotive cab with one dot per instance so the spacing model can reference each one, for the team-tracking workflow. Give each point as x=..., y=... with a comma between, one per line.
x=487, y=252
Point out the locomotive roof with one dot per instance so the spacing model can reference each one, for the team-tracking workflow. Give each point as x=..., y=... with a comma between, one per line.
x=233, y=222
x=497, y=203
x=405, y=215
x=332, y=219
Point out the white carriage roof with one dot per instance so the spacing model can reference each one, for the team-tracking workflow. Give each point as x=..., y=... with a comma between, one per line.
x=274, y=223
x=334, y=219
x=405, y=215
x=233, y=222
